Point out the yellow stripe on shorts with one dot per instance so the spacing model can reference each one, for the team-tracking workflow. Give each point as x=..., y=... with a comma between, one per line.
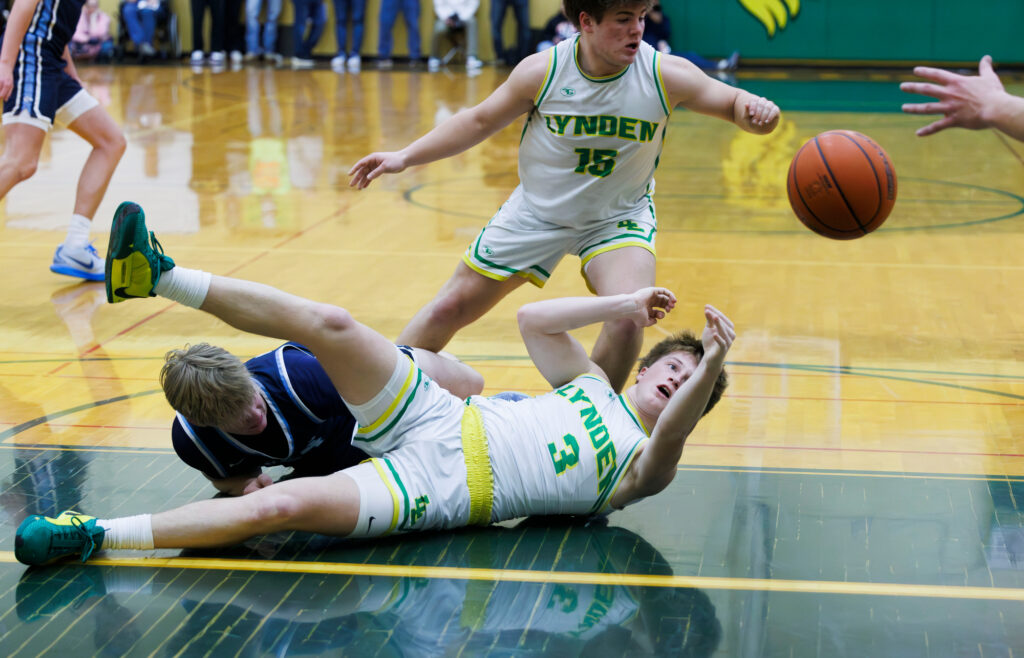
x=394, y=497
x=479, y=477
x=394, y=403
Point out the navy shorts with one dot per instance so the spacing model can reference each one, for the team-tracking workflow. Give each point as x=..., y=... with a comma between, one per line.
x=44, y=93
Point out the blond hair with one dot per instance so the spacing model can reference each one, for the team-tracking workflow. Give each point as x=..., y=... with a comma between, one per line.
x=206, y=384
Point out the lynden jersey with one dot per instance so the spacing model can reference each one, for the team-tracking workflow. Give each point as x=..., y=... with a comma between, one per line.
x=591, y=145
x=561, y=453
x=308, y=425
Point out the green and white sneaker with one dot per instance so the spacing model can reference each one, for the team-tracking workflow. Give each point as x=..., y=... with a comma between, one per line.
x=133, y=265
x=41, y=539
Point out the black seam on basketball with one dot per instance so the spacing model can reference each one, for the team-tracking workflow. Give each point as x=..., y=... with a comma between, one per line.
x=839, y=188
x=878, y=182
x=804, y=201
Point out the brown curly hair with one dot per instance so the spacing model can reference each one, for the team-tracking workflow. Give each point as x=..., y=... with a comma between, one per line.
x=686, y=341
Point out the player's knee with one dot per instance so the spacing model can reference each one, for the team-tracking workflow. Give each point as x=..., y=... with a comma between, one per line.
x=451, y=309
x=272, y=510
x=25, y=169
x=115, y=144
x=332, y=320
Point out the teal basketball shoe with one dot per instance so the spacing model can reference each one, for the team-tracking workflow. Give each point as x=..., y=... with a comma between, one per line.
x=41, y=539
x=133, y=266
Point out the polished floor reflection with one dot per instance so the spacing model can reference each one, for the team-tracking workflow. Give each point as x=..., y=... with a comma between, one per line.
x=855, y=493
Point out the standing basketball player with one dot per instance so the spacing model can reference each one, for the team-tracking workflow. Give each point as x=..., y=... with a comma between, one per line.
x=597, y=105
x=39, y=85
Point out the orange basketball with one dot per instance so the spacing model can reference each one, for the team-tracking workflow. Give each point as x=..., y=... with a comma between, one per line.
x=841, y=184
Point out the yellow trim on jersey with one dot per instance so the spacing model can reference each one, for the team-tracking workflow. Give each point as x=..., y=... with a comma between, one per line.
x=625, y=469
x=636, y=414
x=394, y=403
x=548, y=76
x=660, y=81
x=532, y=278
x=394, y=496
x=479, y=476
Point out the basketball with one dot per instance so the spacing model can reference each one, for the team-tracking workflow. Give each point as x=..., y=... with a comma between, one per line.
x=841, y=184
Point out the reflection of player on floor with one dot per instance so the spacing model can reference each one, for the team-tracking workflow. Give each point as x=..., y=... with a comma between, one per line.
x=40, y=86
x=438, y=461
x=597, y=106
x=279, y=408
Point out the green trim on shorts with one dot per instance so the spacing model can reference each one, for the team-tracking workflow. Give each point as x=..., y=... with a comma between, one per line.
x=635, y=237
x=412, y=394
x=474, y=252
x=405, y=494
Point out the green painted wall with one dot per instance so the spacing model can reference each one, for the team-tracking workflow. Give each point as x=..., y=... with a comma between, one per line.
x=852, y=30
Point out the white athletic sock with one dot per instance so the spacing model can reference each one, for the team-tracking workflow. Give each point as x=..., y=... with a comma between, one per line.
x=78, y=232
x=185, y=286
x=128, y=532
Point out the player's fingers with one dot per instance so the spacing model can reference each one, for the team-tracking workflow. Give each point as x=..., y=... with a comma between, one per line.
x=925, y=89
x=926, y=108
x=935, y=127
x=985, y=66
x=936, y=75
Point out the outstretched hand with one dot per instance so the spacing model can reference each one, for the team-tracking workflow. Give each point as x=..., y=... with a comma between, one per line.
x=373, y=166
x=652, y=304
x=6, y=81
x=963, y=99
x=719, y=333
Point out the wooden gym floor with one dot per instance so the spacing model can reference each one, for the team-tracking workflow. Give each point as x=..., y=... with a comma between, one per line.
x=855, y=493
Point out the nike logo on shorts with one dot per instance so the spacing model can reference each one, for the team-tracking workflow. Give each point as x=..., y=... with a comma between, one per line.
x=369, y=523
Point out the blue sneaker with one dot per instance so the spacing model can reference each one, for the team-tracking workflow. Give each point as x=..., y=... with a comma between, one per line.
x=41, y=540
x=84, y=263
x=135, y=260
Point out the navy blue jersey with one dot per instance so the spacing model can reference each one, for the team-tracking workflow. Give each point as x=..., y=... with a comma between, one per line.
x=308, y=425
x=51, y=28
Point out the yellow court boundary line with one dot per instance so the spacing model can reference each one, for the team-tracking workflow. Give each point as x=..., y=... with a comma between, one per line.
x=570, y=577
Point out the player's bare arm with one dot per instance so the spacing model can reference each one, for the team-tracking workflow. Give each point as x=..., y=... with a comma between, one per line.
x=693, y=89
x=464, y=130
x=545, y=328
x=17, y=25
x=655, y=467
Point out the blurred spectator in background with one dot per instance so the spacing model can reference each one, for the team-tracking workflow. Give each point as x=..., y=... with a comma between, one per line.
x=234, y=30
x=343, y=11
x=92, y=38
x=658, y=33
x=557, y=30
x=217, y=34
x=140, y=20
x=452, y=16
x=388, y=15
x=307, y=11
x=521, y=9
x=253, y=39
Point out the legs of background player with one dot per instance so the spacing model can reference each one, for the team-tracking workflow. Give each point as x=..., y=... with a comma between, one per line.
x=465, y=297
x=614, y=272
x=108, y=145
x=22, y=144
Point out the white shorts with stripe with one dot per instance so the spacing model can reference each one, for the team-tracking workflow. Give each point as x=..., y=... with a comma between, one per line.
x=517, y=242
x=416, y=450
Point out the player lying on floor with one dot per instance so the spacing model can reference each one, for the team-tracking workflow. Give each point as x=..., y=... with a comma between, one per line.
x=437, y=461
x=234, y=419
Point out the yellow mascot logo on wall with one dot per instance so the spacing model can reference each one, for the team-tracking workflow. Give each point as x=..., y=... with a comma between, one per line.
x=773, y=14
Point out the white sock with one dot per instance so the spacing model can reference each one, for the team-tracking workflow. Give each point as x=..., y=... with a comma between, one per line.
x=128, y=532
x=185, y=286
x=78, y=232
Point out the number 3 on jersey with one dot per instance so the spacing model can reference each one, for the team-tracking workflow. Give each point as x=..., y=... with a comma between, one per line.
x=596, y=162
x=567, y=458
